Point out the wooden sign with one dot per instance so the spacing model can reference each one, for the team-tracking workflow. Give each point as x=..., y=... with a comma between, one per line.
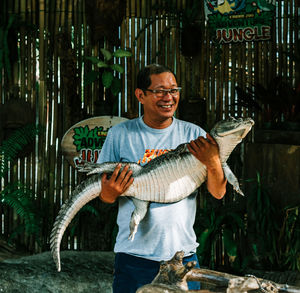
x=84, y=140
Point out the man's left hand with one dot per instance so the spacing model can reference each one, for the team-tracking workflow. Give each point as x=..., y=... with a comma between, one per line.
x=205, y=150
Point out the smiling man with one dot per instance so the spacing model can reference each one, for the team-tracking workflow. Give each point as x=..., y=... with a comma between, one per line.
x=166, y=228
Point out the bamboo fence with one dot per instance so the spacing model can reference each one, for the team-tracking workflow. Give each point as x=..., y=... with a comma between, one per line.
x=54, y=37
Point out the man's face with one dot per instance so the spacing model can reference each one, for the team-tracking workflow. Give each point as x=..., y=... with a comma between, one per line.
x=160, y=108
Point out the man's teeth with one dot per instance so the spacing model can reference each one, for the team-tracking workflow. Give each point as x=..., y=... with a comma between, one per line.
x=166, y=106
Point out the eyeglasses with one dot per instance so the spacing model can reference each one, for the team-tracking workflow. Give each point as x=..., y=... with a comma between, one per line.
x=162, y=92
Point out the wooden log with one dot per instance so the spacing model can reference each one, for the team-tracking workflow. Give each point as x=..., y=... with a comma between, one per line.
x=173, y=277
x=236, y=283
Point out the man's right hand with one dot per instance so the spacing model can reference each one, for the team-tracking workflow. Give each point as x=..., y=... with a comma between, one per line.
x=115, y=185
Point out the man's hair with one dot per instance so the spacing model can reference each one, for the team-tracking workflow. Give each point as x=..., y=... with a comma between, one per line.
x=143, y=78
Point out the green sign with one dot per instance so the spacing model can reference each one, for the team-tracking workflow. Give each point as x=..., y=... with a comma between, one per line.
x=240, y=20
x=93, y=139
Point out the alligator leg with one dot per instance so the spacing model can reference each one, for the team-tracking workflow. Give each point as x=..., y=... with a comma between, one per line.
x=232, y=179
x=138, y=215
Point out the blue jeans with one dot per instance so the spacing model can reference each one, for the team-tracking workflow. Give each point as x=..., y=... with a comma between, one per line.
x=133, y=272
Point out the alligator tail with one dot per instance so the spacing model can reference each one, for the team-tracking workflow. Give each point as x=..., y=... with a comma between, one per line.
x=83, y=193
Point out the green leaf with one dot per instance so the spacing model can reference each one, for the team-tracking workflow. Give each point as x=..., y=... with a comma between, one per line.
x=102, y=64
x=93, y=59
x=116, y=86
x=107, y=78
x=90, y=77
x=107, y=55
x=203, y=240
x=117, y=67
x=120, y=53
x=229, y=243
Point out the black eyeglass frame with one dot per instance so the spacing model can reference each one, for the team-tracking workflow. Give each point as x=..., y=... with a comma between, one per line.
x=163, y=92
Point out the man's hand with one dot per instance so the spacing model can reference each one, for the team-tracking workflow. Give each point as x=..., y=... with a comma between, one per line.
x=206, y=150
x=115, y=185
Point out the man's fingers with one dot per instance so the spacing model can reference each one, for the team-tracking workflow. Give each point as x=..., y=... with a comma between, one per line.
x=198, y=143
x=191, y=146
x=210, y=138
x=116, y=172
x=123, y=174
x=129, y=182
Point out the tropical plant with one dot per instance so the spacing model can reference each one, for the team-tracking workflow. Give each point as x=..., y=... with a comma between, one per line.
x=15, y=194
x=21, y=198
x=268, y=239
x=273, y=235
x=262, y=226
x=110, y=71
x=218, y=224
x=289, y=240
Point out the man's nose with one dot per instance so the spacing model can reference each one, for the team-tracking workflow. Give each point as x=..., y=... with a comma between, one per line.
x=167, y=96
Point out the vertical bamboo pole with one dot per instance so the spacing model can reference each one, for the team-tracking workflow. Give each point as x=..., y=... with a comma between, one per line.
x=225, y=96
x=279, y=38
x=139, y=43
x=133, y=59
x=127, y=44
x=124, y=80
x=212, y=84
x=154, y=33
x=296, y=38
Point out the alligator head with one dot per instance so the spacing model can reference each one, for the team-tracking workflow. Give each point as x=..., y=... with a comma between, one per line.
x=239, y=127
x=229, y=133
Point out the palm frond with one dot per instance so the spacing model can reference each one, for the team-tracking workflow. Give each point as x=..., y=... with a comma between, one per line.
x=21, y=200
x=11, y=147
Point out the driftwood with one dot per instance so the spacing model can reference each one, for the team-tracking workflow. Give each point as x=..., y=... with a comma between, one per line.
x=173, y=276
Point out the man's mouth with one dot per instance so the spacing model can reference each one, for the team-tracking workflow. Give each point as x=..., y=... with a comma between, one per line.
x=166, y=106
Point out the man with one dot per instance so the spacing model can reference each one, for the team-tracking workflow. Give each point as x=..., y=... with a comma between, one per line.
x=166, y=228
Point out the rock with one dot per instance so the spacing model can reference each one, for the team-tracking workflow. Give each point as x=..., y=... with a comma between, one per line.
x=82, y=271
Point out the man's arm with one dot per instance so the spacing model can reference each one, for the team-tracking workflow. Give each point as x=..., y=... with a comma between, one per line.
x=206, y=150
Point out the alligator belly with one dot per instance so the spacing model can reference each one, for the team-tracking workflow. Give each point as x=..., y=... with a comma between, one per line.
x=169, y=182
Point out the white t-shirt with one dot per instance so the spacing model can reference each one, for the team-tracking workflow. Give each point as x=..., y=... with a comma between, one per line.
x=166, y=228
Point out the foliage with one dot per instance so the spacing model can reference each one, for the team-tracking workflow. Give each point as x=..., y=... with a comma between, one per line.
x=109, y=74
x=253, y=233
x=262, y=225
x=276, y=242
x=289, y=240
x=16, y=195
x=21, y=198
x=12, y=146
x=216, y=224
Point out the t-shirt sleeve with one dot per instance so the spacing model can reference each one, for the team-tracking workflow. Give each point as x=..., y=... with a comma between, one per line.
x=109, y=149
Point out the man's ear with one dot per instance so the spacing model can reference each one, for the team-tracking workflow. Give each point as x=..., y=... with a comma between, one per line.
x=139, y=95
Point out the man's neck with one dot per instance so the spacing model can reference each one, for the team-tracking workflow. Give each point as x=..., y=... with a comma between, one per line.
x=158, y=124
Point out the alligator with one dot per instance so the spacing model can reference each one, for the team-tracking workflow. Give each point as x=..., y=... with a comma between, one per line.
x=165, y=179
